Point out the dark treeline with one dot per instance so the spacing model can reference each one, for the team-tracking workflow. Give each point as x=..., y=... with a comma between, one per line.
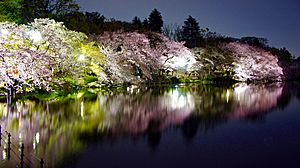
x=68, y=11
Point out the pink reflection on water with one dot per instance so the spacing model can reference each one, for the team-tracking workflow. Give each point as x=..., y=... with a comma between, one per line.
x=254, y=99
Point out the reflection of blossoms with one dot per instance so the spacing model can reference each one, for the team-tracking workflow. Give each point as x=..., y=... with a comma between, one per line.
x=55, y=129
x=254, y=99
x=135, y=115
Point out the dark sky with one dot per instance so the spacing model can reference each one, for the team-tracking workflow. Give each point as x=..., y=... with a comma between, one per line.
x=276, y=20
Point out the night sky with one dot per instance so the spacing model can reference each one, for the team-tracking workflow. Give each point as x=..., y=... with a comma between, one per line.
x=276, y=20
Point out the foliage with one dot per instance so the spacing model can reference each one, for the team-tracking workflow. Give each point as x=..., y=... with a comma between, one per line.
x=190, y=33
x=255, y=41
x=88, y=22
x=214, y=62
x=10, y=10
x=283, y=54
x=137, y=23
x=44, y=53
x=134, y=57
x=155, y=21
x=172, y=31
x=254, y=64
x=32, y=9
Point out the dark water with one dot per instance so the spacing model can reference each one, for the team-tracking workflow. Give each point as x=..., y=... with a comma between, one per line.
x=170, y=126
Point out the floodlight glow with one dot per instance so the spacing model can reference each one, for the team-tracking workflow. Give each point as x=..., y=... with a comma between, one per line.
x=240, y=89
x=4, y=155
x=184, y=61
x=81, y=57
x=35, y=36
x=4, y=32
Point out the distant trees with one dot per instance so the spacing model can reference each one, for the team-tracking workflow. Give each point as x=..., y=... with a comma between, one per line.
x=88, y=22
x=255, y=41
x=155, y=21
x=190, y=33
x=137, y=23
x=172, y=31
x=282, y=53
x=32, y=9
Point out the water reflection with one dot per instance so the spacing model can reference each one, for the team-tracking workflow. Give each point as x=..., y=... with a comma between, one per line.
x=59, y=130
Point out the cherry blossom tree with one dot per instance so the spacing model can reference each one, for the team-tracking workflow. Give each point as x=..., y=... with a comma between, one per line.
x=135, y=57
x=254, y=64
x=31, y=55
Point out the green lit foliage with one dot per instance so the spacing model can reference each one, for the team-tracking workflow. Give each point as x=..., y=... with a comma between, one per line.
x=10, y=10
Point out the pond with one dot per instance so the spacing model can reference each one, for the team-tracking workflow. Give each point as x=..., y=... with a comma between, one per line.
x=158, y=126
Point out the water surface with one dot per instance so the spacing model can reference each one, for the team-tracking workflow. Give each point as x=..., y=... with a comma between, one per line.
x=166, y=126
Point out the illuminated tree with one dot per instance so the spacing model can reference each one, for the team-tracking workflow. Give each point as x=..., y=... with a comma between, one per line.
x=134, y=57
x=32, y=55
x=254, y=64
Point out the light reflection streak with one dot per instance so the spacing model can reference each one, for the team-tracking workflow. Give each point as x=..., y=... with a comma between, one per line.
x=4, y=154
x=81, y=109
x=227, y=95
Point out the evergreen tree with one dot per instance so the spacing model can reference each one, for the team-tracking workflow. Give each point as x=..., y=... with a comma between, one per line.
x=146, y=24
x=190, y=33
x=136, y=23
x=155, y=21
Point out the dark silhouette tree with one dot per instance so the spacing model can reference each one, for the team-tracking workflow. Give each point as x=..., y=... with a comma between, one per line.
x=255, y=41
x=190, y=33
x=94, y=18
x=283, y=54
x=146, y=24
x=94, y=22
x=75, y=21
x=137, y=23
x=155, y=21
